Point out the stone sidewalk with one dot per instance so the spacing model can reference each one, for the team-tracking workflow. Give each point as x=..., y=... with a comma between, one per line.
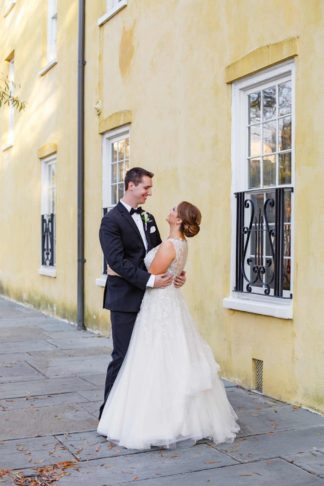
x=51, y=384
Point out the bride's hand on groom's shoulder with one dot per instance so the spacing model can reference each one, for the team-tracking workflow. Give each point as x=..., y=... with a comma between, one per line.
x=180, y=279
x=163, y=280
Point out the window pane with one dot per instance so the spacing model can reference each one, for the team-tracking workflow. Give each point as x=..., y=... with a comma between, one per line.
x=121, y=150
x=120, y=190
x=254, y=173
x=114, y=151
x=270, y=210
x=269, y=170
x=268, y=244
x=269, y=102
x=114, y=194
x=285, y=133
x=122, y=171
x=114, y=173
x=286, y=273
x=284, y=98
x=126, y=148
x=287, y=206
x=254, y=101
x=269, y=137
x=287, y=239
x=254, y=140
x=269, y=275
x=285, y=168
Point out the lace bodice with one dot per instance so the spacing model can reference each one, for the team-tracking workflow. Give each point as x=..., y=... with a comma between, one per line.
x=178, y=264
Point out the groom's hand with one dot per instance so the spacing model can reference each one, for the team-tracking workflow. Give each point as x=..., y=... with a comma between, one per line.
x=163, y=280
x=180, y=279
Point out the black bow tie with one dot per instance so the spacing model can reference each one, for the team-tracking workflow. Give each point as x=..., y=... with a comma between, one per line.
x=137, y=210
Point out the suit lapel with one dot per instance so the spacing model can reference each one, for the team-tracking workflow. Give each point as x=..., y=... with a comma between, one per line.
x=123, y=211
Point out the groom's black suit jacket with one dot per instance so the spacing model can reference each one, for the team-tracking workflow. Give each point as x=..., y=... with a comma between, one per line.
x=124, y=252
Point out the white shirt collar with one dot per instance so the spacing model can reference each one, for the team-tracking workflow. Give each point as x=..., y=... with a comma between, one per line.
x=127, y=206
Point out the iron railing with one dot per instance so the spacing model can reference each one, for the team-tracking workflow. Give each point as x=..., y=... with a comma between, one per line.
x=263, y=242
x=48, y=240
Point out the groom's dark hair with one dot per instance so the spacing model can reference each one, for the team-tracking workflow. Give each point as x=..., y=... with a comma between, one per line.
x=136, y=175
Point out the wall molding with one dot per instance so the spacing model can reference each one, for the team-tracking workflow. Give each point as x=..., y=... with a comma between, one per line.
x=46, y=150
x=115, y=120
x=261, y=58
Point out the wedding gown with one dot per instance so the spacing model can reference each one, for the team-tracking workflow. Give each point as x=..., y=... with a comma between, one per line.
x=167, y=389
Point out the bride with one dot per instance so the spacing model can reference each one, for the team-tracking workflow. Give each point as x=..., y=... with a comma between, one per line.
x=168, y=389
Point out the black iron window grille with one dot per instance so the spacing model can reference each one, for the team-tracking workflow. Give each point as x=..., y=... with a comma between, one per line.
x=263, y=242
x=48, y=240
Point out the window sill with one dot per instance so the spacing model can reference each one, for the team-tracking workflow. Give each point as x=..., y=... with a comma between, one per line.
x=108, y=15
x=47, y=271
x=7, y=146
x=101, y=281
x=48, y=66
x=9, y=8
x=282, y=310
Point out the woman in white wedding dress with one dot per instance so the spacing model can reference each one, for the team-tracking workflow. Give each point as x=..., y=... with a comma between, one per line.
x=168, y=389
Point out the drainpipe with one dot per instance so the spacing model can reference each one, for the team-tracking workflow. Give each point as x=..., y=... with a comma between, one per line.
x=80, y=231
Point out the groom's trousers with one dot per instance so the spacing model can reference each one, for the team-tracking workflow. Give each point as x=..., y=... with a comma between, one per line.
x=122, y=324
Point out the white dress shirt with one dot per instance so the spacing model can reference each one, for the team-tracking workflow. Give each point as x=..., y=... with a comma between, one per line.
x=139, y=223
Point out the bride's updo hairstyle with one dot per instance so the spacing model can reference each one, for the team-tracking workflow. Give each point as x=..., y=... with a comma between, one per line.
x=191, y=218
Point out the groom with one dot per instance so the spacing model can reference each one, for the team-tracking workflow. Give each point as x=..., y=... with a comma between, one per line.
x=126, y=234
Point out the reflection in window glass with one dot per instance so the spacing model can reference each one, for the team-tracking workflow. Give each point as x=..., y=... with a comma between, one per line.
x=254, y=173
x=284, y=94
x=269, y=170
x=269, y=102
x=254, y=101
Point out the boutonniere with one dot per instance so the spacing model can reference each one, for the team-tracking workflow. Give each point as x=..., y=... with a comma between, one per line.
x=146, y=218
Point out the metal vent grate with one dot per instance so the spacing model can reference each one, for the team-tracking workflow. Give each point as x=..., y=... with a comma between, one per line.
x=258, y=374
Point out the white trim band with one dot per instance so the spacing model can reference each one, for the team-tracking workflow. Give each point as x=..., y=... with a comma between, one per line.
x=280, y=310
x=47, y=271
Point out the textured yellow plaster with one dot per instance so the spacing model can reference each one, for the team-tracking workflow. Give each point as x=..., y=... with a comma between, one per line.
x=261, y=58
x=115, y=120
x=46, y=150
x=126, y=50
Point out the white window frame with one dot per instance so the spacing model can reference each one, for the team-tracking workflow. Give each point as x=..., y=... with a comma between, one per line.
x=112, y=7
x=51, y=31
x=109, y=138
x=49, y=271
x=259, y=304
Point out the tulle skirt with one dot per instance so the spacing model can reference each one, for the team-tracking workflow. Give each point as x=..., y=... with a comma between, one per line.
x=168, y=389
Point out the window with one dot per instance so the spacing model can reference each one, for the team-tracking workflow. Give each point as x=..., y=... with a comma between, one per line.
x=48, y=233
x=263, y=176
x=115, y=165
x=112, y=7
x=51, y=30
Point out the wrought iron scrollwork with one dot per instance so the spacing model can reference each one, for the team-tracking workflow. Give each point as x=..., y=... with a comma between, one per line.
x=259, y=242
x=48, y=240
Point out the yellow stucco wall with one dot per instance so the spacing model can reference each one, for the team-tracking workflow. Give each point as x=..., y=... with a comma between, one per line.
x=167, y=67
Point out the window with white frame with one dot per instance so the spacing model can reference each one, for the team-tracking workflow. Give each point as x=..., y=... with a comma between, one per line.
x=263, y=184
x=115, y=165
x=48, y=213
x=112, y=7
x=51, y=30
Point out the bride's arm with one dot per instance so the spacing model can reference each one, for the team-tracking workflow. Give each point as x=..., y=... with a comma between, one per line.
x=163, y=258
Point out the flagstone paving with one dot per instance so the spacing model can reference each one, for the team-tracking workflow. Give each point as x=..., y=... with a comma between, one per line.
x=51, y=385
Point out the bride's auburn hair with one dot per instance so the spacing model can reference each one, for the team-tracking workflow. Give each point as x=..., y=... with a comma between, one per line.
x=191, y=218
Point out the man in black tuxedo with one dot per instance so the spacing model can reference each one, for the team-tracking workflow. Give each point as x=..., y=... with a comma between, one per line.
x=126, y=234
